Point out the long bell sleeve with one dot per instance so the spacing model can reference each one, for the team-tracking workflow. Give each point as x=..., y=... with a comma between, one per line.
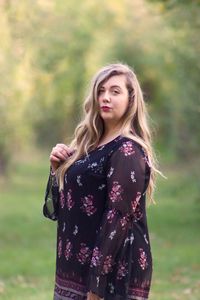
x=50, y=207
x=125, y=186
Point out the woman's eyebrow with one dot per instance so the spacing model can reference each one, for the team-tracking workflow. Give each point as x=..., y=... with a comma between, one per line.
x=111, y=87
x=115, y=86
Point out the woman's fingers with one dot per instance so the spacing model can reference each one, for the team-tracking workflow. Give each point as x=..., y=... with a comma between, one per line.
x=92, y=296
x=59, y=154
x=54, y=158
x=65, y=149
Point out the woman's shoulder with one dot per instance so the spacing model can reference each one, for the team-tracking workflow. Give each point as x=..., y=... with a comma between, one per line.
x=127, y=145
x=130, y=141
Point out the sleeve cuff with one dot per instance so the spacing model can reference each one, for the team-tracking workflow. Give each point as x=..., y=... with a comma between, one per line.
x=52, y=172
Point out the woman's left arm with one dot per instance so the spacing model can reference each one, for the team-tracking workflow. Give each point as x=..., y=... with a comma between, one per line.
x=125, y=186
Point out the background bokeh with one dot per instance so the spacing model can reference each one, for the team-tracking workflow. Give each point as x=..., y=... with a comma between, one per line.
x=49, y=51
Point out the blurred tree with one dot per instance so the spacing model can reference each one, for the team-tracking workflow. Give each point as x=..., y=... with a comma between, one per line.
x=50, y=49
x=64, y=43
x=183, y=20
x=15, y=80
x=160, y=50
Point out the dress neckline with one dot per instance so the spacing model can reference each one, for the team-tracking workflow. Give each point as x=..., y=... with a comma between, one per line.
x=103, y=145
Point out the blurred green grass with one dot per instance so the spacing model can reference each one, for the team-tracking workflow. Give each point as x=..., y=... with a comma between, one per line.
x=27, y=245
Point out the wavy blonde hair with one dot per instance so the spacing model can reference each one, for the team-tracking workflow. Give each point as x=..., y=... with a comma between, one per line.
x=90, y=130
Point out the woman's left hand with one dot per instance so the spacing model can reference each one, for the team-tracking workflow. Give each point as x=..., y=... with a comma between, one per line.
x=92, y=296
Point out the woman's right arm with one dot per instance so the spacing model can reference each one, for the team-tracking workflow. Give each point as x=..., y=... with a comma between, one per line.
x=58, y=155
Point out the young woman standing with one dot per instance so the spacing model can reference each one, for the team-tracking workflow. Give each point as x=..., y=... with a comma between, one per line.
x=97, y=191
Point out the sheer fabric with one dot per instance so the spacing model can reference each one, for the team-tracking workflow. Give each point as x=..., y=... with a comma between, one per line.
x=102, y=237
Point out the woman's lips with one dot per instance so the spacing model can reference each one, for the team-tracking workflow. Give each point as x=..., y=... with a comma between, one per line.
x=105, y=108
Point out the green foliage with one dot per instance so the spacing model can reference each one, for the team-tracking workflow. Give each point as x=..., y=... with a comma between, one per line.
x=15, y=89
x=182, y=19
x=50, y=50
x=163, y=49
x=28, y=240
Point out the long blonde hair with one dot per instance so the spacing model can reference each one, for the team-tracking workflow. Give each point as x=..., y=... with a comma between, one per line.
x=135, y=122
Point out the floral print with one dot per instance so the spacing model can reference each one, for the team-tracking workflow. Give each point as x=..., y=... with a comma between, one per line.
x=145, y=238
x=101, y=187
x=127, y=148
x=133, y=176
x=103, y=241
x=62, y=199
x=110, y=172
x=111, y=288
x=107, y=265
x=124, y=221
x=97, y=167
x=110, y=215
x=96, y=257
x=70, y=202
x=112, y=234
x=78, y=180
x=142, y=259
x=116, y=192
x=68, y=250
x=136, y=208
x=75, y=230
x=122, y=269
x=84, y=254
x=59, y=247
x=64, y=227
x=88, y=206
x=135, y=202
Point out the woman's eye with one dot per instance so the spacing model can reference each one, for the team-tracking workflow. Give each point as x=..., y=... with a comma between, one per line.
x=100, y=92
x=115, y=92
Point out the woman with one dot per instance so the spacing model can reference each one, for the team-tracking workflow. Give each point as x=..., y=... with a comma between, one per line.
x=97, y=192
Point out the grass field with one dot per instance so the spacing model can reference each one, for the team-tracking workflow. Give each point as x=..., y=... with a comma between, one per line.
x=27, y=239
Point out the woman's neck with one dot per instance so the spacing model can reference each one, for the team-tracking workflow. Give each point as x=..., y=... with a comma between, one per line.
x=109, y=136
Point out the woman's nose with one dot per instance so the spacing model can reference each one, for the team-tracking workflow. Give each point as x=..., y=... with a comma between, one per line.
x=106, y=96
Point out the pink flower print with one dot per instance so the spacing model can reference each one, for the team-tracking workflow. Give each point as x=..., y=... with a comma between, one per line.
x=135, y=202
x=122, y=270
x=116, y=191
x=124, y=220
x=127, y=148
x=96, y=257
x=107, y=265
x=110, y=215
x=136, y=208
x=59, y=247
x=70, y=202
x=88, y=206
x=84, y=254
x=62, y=199
x=142, y=259
x=68, y=249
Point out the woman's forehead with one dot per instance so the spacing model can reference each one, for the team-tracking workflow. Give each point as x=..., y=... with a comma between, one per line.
x=115, y=80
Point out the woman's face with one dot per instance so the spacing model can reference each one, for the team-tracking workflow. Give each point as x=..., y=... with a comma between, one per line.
x=113, y=100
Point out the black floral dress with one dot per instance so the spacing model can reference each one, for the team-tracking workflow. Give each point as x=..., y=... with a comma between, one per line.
x=102, y=235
